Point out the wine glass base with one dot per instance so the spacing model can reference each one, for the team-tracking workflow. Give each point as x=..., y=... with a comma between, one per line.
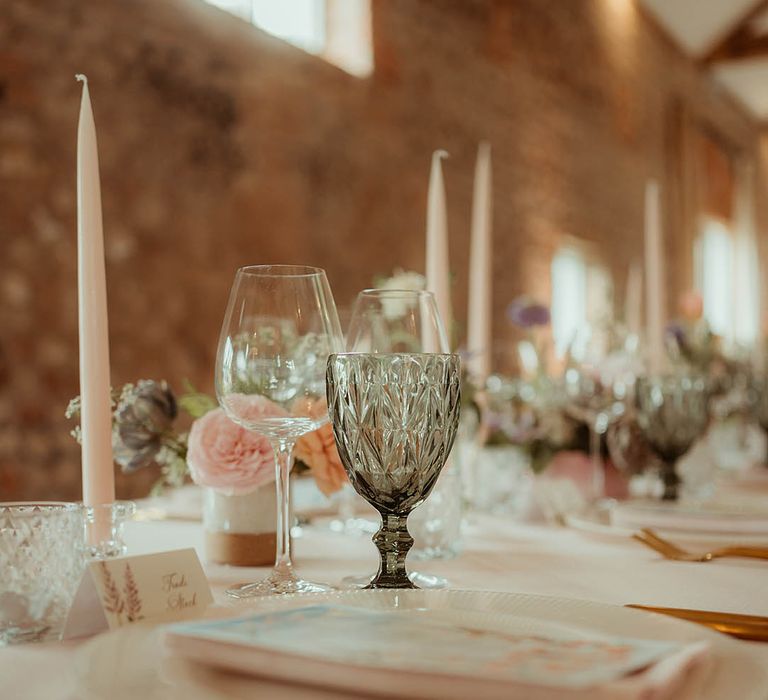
x=276, y=583
x=426, y=581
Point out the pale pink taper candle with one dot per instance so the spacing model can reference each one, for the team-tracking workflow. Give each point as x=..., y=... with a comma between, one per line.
x=479, y=339
x=633, y=300
x=95, y=412
x=654, y=279
x=438, y=270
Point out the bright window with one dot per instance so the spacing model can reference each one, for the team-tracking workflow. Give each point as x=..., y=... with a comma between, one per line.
x=338, y=31
x=727, y=277
x=715, y=276
x=582, y=292
x=569, y=297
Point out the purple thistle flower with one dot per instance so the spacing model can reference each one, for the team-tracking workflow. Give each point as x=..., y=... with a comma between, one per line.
x=526, y=313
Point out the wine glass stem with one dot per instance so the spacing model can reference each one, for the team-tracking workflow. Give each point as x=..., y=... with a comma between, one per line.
x=598, y=474
x=283, y=462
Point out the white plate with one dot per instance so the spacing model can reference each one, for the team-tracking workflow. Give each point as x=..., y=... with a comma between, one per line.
x=598, y=523
x=713, y=518
x=734, y=671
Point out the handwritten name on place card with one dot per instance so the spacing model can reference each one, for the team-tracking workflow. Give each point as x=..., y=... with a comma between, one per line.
x=154, y=587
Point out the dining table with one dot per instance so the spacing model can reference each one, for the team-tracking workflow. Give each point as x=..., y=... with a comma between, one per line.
x=497, y=553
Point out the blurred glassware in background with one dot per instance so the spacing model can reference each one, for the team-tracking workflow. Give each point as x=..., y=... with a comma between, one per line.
x=673, y=412
x=600, y=372
x=632, y=454
x=759, y=396
x=42, y=558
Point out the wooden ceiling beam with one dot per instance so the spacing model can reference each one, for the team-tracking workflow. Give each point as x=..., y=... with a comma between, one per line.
x=739, y=41
x=742, y=47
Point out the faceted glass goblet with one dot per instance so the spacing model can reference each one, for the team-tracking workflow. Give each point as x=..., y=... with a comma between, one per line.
x=42, y=558
x=672, y=412
x=395, y=418
x=759, y=396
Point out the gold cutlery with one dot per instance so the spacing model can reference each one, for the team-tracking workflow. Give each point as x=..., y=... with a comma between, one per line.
x=750, y=627
x=672, y=551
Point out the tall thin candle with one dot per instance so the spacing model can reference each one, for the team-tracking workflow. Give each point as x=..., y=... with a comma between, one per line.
x=95, y=412
x=438, y=270
x=654, y=279
x=480, y=270
x=633, y=300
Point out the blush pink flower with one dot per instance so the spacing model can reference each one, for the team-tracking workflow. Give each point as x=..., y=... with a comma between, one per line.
x=691, y=305
x=318, y=451
x=228, y=458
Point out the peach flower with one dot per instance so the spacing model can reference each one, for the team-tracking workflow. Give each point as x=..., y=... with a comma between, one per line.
x=228, y=458
x=691, y=305
x=318, y=451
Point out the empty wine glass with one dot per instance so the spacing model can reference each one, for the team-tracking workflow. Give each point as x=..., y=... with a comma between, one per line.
x=395, y=417
x=599, y=376
x=672, y=411
x=279, y=328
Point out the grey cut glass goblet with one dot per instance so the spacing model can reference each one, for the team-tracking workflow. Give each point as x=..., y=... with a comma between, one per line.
x=672, y=412
x=760, y=403
x=395, y=417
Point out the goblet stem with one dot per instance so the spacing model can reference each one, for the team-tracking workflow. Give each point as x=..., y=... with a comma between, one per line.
x=393, y=542
x=670, y=480
x=765, y=432
x=598, y=473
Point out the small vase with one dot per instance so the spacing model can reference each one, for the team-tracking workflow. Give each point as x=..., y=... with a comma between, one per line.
x=240, y=530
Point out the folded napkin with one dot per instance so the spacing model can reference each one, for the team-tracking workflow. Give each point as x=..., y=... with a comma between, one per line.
x=441, y=654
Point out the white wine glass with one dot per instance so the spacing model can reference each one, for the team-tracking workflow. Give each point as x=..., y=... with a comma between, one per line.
x=280, y=326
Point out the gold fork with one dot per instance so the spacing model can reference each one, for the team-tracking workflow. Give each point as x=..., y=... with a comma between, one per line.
x=672, y=551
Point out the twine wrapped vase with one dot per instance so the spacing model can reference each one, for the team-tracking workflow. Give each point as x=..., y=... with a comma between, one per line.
x=236, y=469
x=240, y=529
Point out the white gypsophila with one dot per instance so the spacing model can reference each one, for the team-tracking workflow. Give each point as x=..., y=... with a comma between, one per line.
x=400, y=280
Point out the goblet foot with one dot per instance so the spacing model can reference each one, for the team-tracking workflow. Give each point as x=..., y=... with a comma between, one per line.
x=418, y=580
x=279, y=582
x=670, y=481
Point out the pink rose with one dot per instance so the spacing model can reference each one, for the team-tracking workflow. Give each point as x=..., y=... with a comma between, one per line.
x=228, y=458
x=318, y=451
x=577, y=466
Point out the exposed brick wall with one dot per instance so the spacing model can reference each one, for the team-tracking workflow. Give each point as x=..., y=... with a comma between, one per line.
x=221, y=146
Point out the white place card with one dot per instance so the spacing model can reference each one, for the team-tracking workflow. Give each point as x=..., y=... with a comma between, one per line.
x=160, y=587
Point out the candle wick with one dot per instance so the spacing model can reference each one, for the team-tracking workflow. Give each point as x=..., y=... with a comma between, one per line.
x=440, y=154
x=81, y=78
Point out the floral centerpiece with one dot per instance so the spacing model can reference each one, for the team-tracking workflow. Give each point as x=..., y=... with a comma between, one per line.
x=215, y=452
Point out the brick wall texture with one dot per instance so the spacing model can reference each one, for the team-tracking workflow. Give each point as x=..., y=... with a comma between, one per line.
x=222, y=146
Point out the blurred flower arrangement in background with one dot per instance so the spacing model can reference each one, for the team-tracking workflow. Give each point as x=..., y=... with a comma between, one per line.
x=522, y=404
x=215, y=452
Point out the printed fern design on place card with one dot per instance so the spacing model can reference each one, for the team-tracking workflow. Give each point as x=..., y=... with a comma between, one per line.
x=132, y=596
x=113, y=601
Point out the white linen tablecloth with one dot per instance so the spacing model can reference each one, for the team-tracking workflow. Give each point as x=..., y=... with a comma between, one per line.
x=498, y=555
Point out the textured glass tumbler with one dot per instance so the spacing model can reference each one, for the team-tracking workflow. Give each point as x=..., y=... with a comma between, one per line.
x=42, y=557
x=672, y=412
x=395, y=418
